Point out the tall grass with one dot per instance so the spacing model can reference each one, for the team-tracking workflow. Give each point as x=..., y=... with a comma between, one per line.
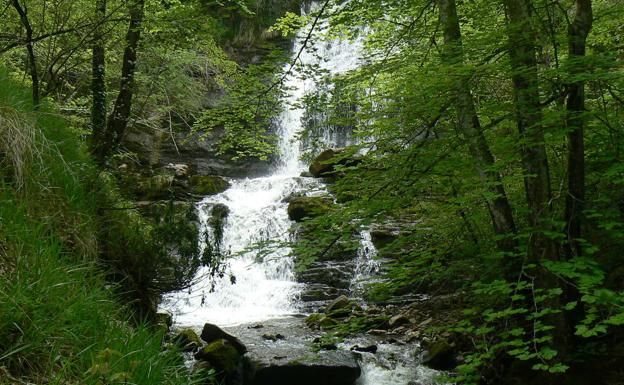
x=59, y=320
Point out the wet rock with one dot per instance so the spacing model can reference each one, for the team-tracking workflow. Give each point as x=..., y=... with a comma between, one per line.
x=365, y=349
x=325, y=163
x=320, y=321
x=313, y=319
x=318, y=294
x=306, y=174
x=341, y=302
x=164, y=319
x=398, y=320
x=327, y=322
x=322, y=165
x=334, y=274
x=187, y=340
x=208, y=185
x=155, y=187
x=222, y=356
x=178, y=170
x=211, y=333
x=383, y=236
x=324, y=343
x=325, y=367
x=273, y=337
x=307, y=207
x=340, y=313
x=439, y=355
x=220, y=211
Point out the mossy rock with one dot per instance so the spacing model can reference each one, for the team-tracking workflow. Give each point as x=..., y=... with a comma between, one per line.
x=313, y=319
x=156, y=187
x=307, y=207
x=340, y=313
x=165, y=320
x=320, y=321
x=440, y=355
x=222, y=355
x=208, y=184
x=325, y=164
x=339, y=303
x=187, y=340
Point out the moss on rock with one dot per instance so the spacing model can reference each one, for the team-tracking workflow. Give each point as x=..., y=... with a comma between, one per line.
x=307, y=207
x=222, y=355
x=187, y=340
x=208, y=184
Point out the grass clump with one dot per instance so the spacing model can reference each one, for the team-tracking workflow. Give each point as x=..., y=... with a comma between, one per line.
x=60, y=320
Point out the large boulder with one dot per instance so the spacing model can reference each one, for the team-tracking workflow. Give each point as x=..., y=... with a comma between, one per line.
x=326, y=367
x=339, y=303
x=307, y=207
x=325, y=163
x=222, y=356
x=211, y=333
x=439, y=355
x=295, y=360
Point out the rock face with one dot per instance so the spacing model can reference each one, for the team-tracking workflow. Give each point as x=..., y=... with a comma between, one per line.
x=307, y=207
x=159, y=148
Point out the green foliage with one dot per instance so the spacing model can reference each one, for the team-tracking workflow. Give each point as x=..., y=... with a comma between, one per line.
x=418, y=173
x=243, y=118
x=60, y=321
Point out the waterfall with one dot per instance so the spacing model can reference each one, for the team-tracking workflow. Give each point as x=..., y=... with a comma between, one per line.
x=366, y=265
x=253, y=289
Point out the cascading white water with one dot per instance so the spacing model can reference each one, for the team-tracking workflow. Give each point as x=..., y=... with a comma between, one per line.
x=258, y=212
x=367, y=265
x=253, y=290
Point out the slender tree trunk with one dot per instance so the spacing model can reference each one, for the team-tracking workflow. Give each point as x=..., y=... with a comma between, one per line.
x=98, y=82
x=470, y=126
x=528, y=117
x=575, y=105
x=118, y=120
x=32, y=59
x=541, y=247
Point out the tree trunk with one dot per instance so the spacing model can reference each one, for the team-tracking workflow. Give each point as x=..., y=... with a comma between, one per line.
x=575, y=105
x=470, y=126
x=98, y=82
x=30, y=49
x=541, y=247
x=528, y=117
x=118, y=120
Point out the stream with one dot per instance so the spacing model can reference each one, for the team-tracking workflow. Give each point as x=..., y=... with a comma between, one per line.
x=265, y=292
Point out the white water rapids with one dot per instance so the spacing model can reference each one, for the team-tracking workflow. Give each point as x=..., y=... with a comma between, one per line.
x=253, y=290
